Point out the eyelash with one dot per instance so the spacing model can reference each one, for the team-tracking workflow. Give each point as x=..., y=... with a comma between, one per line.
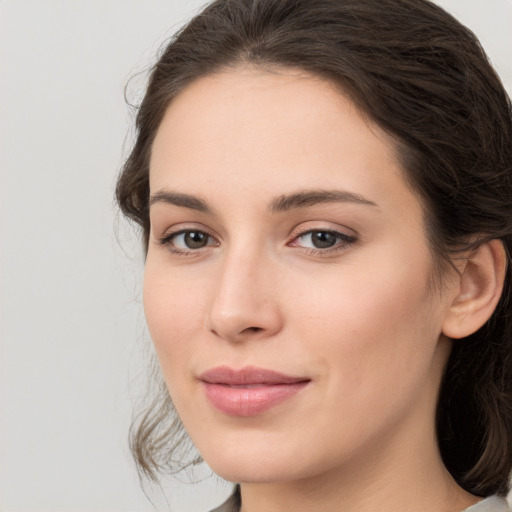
x=342, y=241
x=167, y=242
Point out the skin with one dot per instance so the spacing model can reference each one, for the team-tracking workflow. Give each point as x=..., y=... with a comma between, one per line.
x=361, y=319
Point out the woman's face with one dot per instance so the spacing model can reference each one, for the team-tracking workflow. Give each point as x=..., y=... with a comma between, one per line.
x=288, y=283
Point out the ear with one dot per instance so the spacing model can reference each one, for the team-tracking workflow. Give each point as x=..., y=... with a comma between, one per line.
x=480, y=284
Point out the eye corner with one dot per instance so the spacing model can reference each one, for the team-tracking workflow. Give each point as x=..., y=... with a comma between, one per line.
x=322, y=240
x=187, y=241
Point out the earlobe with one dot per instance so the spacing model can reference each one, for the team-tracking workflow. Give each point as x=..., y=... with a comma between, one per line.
x=480, y=286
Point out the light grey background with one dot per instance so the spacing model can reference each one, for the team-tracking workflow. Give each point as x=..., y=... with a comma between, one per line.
x=73, y=344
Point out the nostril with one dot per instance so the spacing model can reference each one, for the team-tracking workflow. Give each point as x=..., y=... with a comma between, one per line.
x=247, y=330
x=253, y=329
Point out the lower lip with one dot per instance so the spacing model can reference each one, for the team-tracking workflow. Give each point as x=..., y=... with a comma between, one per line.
x=249, y=401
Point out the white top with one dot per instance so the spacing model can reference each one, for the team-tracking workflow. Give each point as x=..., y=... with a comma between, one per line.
x=491, y=504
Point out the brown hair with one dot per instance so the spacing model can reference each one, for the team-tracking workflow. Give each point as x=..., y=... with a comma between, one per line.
x=424, y=78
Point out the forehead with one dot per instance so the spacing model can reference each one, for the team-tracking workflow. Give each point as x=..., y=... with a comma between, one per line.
x=253, y=131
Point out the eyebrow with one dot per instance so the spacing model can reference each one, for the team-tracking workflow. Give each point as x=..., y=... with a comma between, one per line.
x=305, y=198
x=301, y=199
x=177, y=199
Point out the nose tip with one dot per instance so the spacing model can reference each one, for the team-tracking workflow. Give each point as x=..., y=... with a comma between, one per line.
x=238, y=324
x=233, y=328
x=244, y=307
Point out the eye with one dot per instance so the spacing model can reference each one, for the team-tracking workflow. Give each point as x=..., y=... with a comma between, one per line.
x=188, y=240
x=322, y=240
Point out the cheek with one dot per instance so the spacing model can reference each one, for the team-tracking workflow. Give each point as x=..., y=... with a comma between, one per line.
x=370, y=327
x=174, y=311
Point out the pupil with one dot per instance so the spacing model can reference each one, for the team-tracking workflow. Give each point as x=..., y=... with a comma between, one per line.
x=323, y=239
x=195, y=240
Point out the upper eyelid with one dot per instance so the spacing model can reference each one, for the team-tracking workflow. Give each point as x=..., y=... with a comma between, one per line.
x=345, y=238
x=294, y=232
x=167, y=238
x=303, y=229
x=166, y=241
x=183, y=227
x=298, y=231
x=325, y=230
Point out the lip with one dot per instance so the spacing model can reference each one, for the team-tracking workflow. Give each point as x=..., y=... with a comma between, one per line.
x=250, y=390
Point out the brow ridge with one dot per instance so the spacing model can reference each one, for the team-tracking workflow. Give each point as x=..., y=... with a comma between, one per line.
x=179, y=199
x=306, y=198
x=284, y=202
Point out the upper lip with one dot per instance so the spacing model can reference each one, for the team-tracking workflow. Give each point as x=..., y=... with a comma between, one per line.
x=247, y=375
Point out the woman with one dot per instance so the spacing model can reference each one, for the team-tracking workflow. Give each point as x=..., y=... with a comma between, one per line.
x=325, y=195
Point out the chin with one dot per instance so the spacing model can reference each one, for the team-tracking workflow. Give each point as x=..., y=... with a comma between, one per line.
x=258, y=462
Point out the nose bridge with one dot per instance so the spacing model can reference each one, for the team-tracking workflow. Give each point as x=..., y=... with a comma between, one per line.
x=243, y=304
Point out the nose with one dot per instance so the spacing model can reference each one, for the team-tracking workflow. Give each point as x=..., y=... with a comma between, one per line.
x=245, y=303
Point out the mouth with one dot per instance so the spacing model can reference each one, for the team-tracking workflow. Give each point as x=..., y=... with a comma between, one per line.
x=250, y=390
